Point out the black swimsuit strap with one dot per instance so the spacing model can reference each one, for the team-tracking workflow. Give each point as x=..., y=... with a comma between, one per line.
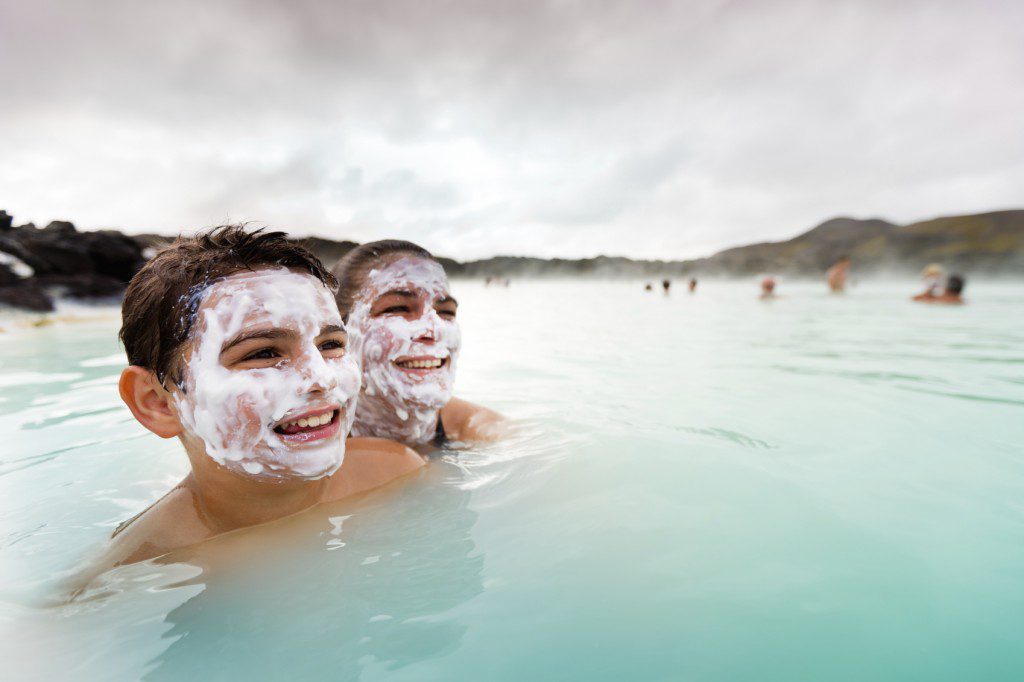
x=440, y=438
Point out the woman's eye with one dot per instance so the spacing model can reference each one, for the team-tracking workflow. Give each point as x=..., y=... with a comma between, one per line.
x=261, y=354
x=396, y=309
x=332, y=345
x=449, y=314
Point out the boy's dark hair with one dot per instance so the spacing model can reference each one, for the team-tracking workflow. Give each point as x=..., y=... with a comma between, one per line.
x=162, y=299
x=954, y=284
x=351, y=269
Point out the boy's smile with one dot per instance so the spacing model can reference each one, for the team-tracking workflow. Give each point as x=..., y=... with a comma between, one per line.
x=312, y=425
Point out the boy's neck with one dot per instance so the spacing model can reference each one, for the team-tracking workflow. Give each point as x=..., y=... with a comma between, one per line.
x=226, y=501
x=376, y=417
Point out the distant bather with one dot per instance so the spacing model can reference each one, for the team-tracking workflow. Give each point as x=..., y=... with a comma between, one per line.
x=838, y=274
x=951, y=295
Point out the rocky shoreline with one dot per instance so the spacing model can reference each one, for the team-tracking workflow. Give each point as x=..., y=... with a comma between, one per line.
x=38, y=266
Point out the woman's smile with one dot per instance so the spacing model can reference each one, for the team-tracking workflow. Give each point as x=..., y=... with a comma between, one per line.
x=421, y=364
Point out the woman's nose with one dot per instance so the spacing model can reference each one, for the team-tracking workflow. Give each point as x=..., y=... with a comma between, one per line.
x=426, y=331
x=426, y=335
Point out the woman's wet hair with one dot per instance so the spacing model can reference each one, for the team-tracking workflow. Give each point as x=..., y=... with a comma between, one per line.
x=955, y=284
x=351, y=270
x=162, y=299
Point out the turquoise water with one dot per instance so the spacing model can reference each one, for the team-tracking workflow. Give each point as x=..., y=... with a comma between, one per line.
x=703, y=487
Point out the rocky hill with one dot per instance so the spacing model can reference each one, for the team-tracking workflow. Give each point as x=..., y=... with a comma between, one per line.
x=39, y=264
x=989, y=243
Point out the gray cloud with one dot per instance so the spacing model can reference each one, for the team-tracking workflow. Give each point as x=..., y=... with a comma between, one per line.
x=552, y=128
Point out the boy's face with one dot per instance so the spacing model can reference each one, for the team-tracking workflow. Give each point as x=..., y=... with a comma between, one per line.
x=268, y=387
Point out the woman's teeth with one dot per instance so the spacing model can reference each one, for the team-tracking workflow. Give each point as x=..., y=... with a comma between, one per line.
x=432, y=363
x=311, y=422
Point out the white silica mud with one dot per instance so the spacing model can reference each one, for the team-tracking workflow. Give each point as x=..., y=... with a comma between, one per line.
x=267, y=384
x=408, y=351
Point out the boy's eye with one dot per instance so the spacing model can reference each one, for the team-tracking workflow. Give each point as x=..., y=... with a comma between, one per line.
x=447, y=314
x=396, y=309
x=261, y=354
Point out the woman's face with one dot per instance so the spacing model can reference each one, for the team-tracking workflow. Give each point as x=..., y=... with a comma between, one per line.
x=403, y=326
x=268, y=388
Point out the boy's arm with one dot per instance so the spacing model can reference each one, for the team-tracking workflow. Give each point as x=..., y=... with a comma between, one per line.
x=464, y=420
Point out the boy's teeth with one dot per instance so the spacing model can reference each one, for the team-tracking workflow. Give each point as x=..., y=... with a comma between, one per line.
x=313, y=421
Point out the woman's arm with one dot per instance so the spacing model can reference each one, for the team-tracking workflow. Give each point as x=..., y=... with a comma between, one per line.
x=464, y=420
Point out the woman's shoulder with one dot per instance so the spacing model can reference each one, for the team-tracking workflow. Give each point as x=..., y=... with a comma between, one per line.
x=372, y=462
x=464, y=420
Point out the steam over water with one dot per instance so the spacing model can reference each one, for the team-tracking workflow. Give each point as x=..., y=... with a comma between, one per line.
x=703, y=487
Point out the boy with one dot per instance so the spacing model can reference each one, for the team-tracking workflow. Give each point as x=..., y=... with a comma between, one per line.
x=236, y=348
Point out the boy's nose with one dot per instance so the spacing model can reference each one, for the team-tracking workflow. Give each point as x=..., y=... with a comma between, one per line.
x=314, y=369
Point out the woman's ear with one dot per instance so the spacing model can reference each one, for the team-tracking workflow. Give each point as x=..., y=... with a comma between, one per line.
x=149, y=401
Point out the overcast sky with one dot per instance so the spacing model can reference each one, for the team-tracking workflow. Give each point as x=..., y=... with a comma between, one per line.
x=640, y=128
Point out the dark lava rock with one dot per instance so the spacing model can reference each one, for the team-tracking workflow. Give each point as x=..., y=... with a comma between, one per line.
x=65, y=262
x=9, y=245
x=7, y=276
x=61, y=228
x=113, y=254
x=50, y=255
x=26, y=296
x=59, y=249
x=86, y=285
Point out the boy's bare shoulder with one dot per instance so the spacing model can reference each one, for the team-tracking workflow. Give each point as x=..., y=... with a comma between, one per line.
x=372, y=462
x=171, y=523
x=464, y=420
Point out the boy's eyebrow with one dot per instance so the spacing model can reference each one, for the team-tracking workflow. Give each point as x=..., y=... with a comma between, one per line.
x=271, y=334
x=255, y=334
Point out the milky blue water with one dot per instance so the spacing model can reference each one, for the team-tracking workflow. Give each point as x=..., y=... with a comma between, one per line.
x=703, y=487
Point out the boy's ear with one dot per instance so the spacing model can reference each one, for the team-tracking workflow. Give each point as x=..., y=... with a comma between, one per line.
x=149, y=402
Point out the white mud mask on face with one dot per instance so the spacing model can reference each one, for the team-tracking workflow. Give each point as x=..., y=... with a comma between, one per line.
x=409, y=356
x=287, y=420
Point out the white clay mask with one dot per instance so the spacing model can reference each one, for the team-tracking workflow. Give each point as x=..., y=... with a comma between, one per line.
x=408, y=356
x=289, y=416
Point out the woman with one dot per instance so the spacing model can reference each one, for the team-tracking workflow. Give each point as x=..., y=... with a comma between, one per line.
x=400, y=315
x=932, y=276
